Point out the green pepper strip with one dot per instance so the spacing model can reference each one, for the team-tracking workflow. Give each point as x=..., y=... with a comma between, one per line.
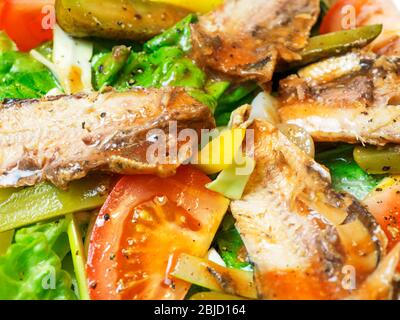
x=335, y=43
x=106, y=66
x=44, y=201
x=78, y=257
x=5, y=241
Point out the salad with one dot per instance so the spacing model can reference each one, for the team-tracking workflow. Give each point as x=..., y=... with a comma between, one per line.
x=203, y=150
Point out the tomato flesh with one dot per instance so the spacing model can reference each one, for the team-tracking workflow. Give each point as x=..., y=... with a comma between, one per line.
x=367, y=12
x=144, y=225
x=384, y=204
x=333, y=21
x=2, y=3
x=27, y=23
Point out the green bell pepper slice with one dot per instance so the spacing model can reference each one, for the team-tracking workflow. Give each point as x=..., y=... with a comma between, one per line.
x=335, y=43
x=26, y=206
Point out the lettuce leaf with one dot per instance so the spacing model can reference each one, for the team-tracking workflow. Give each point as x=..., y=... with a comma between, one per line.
x=230, y=245
x=22, y=77
x=177, y=36
x=32, y=267
x=162, y=61
x=233, y=98
x=347, y=176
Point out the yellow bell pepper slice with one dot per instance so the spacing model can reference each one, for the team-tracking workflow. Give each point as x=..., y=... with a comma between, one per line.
x=201, y=6
x=388, y=182
x=210, y=275
x=232, y=181
x=220, y=153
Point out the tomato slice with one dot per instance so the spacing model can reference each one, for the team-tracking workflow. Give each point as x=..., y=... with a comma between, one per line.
x=2, y=3
x=336, y=16
x=367, y=12
x=144, y=225
x=28, y=22
x=384, y=204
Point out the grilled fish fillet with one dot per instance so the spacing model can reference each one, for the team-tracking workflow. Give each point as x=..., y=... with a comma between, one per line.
x=352, y=98
x=301, y=235
x=62, y=138
x=246, y=39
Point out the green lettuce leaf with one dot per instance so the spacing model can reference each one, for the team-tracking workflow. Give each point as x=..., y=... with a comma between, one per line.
x=32, y=267
x=22, y=77
x=233, y=98
x=230, y=245
x=167, y=66
x=162, y=62
x=177, y=36
x=347, y=176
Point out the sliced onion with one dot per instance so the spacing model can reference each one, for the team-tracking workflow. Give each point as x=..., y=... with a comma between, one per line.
x=71, y=58
x=214, y=256
x=265, y=107
x=71, y=63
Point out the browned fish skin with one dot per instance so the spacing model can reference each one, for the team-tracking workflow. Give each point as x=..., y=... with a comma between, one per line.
x=246, y=39
x=298, y=232
x=359, y=101
x=62, y=138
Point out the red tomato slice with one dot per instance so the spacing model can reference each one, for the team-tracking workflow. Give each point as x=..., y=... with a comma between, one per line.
x=28, y=22
x=144, y=225
x=334, y=19
x=2, y=3
x=384, y=204
x=367, y=12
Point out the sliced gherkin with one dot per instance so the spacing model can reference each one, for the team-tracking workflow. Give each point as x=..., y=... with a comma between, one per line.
x=378, y=160
x=335, y=43
x=116, y=19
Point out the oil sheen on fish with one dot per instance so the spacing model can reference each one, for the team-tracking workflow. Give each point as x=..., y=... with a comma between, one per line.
x=246, y=39
x=302, y=237
x=353, y=98
x=59, y=139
